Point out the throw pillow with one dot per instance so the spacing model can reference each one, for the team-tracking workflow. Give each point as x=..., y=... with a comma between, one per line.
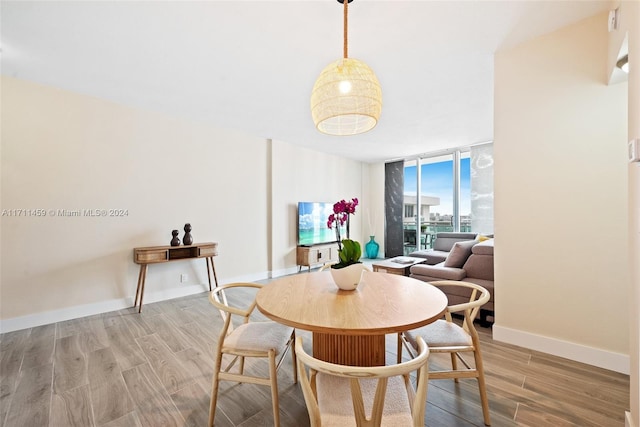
x=482, y=238
x=459, y=253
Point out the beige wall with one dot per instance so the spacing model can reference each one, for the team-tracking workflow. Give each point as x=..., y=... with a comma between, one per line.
x=562, y=267
x=62, y=150
x=629, y=29
x=633, y=22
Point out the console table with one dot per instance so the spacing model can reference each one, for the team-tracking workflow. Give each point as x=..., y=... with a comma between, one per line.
x=157, y=254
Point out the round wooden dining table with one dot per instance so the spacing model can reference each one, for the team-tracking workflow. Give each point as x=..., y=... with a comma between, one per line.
x=349, y=327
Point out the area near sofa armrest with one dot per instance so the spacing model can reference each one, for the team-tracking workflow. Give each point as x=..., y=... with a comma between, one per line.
x=444, y=241
x=458, y=295
x=483, y=248
x=437, y=271
x=441, y=246
x=479, y=266
x=432, y=257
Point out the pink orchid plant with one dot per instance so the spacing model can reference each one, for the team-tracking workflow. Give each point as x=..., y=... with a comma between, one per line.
x=340, y=217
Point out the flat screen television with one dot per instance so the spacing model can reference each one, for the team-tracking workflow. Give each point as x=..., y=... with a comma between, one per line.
x=312, y=224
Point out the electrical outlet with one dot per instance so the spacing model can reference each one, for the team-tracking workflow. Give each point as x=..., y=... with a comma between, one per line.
x=184, y=277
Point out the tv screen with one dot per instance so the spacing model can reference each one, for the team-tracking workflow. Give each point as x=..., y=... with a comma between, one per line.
x=312, y=224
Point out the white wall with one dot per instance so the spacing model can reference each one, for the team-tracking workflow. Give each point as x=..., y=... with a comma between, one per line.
x=300, y=175
x=67, y=151
x=62, y=150
x=374, y=180
x=561, y=260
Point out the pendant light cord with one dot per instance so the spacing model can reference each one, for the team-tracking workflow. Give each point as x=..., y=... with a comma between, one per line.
x=345, y=49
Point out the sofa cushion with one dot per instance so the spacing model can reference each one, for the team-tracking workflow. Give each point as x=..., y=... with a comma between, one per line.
x=445, y=241
x=483, y=248
x=479, y=266
x=459, y=253
x=432, y=257
x=436, y=272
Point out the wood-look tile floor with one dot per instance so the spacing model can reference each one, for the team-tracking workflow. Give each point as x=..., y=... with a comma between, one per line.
x=154, y=369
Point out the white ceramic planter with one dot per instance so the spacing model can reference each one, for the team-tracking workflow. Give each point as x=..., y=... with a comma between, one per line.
x=347, y=278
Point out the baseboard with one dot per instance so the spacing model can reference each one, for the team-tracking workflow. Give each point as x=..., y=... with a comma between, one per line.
x=286, y=272
x=580, y=353
x=46, y=318
x=628, y=420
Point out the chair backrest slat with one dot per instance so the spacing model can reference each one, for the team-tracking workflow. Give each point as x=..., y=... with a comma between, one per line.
x=456, y=343
x=478, y=297
x=355, y=374
x=261, y=340
x=218, y=297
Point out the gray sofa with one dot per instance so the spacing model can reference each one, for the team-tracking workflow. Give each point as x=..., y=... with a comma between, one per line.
x=441, y=247
x=468, y=260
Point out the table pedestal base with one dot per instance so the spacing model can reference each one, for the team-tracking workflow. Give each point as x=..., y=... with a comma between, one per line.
x=352, y=350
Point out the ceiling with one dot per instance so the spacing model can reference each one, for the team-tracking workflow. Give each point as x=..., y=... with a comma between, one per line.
x=251, y=65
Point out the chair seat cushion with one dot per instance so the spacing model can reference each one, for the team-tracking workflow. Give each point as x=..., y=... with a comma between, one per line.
x=440, y=334
x=259, y=336
x=336, y=406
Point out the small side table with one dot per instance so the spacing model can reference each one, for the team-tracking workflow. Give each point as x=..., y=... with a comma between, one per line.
x=158, y=254
x=398, y=265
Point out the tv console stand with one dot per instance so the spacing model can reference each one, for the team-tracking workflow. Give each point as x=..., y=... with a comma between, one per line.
x=308, y=256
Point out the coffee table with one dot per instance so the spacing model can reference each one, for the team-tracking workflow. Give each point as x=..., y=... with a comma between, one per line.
x=399, y=265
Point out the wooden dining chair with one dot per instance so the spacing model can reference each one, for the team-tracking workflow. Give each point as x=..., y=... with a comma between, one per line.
x=244, y=339
x=339, y=395
x=445, y=336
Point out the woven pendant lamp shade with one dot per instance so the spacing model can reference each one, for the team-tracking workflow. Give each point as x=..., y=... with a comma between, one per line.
x=346, y=99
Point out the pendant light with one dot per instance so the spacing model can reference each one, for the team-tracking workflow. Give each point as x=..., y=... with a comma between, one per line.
x=346, y=99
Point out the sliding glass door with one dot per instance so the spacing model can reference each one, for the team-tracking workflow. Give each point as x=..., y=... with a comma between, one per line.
x=438, y=197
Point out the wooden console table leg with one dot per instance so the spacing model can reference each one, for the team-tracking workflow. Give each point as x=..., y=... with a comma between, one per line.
x=143, y=275
x=208, y=272
x=140, y=280
x=213, y=267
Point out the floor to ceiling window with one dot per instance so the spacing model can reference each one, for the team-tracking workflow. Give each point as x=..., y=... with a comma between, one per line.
x=456, y=194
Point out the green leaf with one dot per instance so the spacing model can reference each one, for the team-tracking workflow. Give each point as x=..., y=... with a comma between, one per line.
x=350, y=253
